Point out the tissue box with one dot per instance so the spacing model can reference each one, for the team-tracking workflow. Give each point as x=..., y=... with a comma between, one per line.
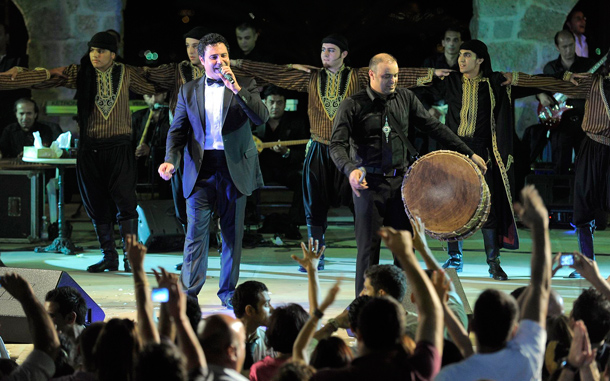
x=39, y=153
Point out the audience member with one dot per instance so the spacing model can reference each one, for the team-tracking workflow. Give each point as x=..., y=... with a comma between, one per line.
x=20, y=134
x=40, y=363
x=160, y=361
x=223, y=341
x=510, y=344
x=282, y=163
x=285, y=323
x=294, y=371
x=86, y=368
x=381, y=325
x=68, y=309
x=331, y=353
x=252, y=305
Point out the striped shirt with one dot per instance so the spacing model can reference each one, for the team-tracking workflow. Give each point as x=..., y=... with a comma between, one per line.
x=111, y=115
x=325, y=96
x=596, y=122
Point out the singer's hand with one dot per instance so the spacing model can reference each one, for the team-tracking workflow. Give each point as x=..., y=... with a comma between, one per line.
x=166, y=170
x=226, y=71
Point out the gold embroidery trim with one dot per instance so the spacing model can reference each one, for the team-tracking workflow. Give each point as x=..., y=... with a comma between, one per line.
x=567, y=75
x=515, y=80
x=105, y=99
x=470, y=105
x=332, y=97
x=20, y=69
x=428, y=78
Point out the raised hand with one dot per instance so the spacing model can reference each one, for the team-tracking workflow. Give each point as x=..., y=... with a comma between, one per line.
x=17, y=286
x=330, y=297
x=311, y=254
x=399, y=242
x=135, y=251
x=531, y=210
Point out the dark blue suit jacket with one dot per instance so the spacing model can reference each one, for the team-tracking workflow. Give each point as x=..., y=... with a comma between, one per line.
x=241, y=111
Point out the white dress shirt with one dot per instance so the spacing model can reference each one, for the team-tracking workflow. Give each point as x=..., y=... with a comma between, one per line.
x=214, y=95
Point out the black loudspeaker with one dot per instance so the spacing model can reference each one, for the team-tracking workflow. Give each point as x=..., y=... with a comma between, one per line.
x=158, y=227
x=13, y=322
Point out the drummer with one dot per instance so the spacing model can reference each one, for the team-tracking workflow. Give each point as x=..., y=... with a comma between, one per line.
x=480, y=112
x=369, y=144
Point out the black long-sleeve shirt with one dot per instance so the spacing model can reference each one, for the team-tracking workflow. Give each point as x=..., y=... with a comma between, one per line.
x=357, y=131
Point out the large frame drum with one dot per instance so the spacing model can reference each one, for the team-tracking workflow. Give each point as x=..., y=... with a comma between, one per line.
x=449, y=193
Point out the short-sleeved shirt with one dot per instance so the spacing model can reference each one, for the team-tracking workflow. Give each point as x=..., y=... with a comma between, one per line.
x=522, y=359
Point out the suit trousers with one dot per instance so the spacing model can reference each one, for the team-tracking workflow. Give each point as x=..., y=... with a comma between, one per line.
x=213, y=191
x=379, y=205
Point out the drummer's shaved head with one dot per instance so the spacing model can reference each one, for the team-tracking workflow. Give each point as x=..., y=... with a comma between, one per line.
x=379, y=58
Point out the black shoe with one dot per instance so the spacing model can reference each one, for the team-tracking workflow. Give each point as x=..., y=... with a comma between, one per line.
x=228, y=302
x=454, y=262
x=575, y=275
x=179, y=266
x=126, y=264
x=103, y=265
x=495, y=270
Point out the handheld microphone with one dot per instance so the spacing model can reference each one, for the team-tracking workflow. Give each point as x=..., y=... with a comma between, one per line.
x=227, y=76
x=158, y=106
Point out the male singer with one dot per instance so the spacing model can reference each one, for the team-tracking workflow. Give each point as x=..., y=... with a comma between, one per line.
x=212, y=124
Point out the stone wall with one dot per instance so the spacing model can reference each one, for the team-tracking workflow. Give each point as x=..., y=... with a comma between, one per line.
x=519, y=35
x=59, y=31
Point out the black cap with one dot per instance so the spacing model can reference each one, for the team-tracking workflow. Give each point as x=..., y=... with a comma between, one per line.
x=336, y=39
x=103, y=40
x=196, y=33
x=480, y=49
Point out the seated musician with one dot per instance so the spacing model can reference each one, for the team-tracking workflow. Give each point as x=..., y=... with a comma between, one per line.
x=21, y=134
x=283, y=164
x=17, y=135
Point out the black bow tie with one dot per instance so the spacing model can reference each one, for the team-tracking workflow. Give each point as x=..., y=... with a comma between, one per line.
x=212, y=82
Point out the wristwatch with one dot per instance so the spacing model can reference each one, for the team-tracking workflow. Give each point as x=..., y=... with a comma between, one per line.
x=334, y=323
x=566, y=365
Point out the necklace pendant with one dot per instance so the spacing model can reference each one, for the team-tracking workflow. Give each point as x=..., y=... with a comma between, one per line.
x=386, y=130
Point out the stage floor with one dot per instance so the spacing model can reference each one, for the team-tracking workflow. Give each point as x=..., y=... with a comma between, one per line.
x=271, y=264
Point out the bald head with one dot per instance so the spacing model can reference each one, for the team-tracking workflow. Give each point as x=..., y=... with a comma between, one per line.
x=223, y=340
x=566, y=45
x=383, y=73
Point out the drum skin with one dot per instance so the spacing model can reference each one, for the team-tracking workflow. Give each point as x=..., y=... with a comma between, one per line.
x=449, y=193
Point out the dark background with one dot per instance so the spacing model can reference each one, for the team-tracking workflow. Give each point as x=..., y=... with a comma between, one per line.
x=292, y=31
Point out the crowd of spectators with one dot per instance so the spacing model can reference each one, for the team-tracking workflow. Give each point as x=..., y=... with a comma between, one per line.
x=524, y=335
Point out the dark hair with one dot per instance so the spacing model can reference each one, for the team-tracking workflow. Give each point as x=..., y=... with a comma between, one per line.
x=69, y=300
x=570, y=15
x=495, y=315
x=247, y=24
x=25, y=100
x=86, y=343
x=63, y=361
x=454, y=29
x=285, y=324
x=294, y=371
x=516, y=293
x=86, y=89
x=331, y=353
x=7, y=366
x=274, y=90
x=563, y=32
x=247, y=294
x=354, y=310
x=216, y=336
x=211, y=39
x=193, y=311
x=115, y=350
x=160, y=361
x=388, y=278
x=594, y=310
x=381, y=323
